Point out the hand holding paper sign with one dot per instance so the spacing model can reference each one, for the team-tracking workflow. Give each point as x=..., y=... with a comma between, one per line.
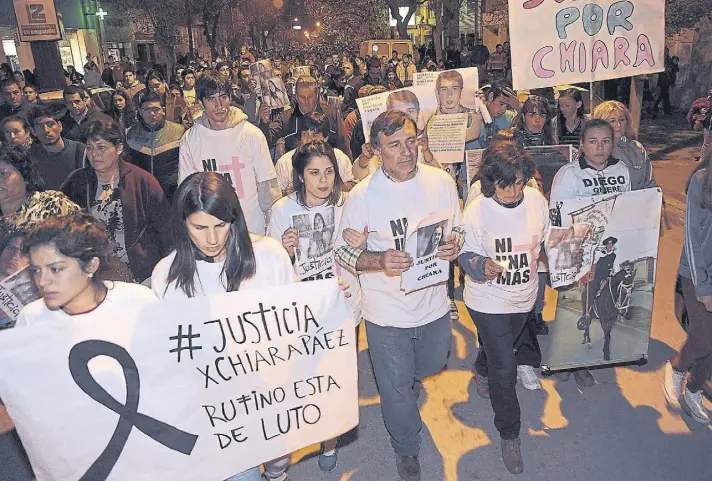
x=449, y=250
x=396, y=262
x=493, y=269
x=290, y=240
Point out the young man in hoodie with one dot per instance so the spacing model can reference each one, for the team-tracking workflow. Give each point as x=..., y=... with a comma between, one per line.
x=223, y=141
x=154, y=142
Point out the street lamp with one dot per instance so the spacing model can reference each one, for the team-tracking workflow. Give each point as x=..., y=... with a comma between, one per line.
x=318, y=24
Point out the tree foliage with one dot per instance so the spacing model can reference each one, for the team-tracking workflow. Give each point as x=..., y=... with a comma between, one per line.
x=681, y=14
x=347, y=21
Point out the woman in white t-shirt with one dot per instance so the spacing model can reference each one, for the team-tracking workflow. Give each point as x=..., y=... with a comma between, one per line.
x=215, y=253
x=504, y=227
x=70, y=263
x=318, y=191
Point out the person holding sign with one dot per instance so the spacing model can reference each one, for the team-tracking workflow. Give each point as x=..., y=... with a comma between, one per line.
x=317, y=188
x=408, y=335
x=626, y=148
x=70, y=262
x=215, y=253
x=504, y=229
x=596, y=172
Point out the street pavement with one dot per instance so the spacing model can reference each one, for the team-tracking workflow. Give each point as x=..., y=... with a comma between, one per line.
x=619, y=429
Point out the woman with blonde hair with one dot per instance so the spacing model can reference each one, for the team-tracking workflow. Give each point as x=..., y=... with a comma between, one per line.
x=625, y=146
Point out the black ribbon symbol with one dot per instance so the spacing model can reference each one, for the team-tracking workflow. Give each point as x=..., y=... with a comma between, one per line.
x=169, y=436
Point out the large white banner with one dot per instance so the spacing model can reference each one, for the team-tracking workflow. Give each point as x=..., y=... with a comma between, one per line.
x=566, y=41
x=190, y=390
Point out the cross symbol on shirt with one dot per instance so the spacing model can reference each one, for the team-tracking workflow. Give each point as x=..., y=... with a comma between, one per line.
x=531, y=248
x=236, y=167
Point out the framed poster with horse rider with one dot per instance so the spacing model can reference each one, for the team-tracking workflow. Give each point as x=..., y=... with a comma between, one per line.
x=602, y=255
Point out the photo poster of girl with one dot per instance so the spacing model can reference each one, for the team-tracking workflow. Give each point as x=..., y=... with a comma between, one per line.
x=270, y=87
x=422, y=244
x=317, y=233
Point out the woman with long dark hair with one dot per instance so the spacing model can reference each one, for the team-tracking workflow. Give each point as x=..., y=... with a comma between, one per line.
x=533, y=125
x=567, y=125
x=122, y=110
x=695, y=272
x=214, y=254
x=505, y=227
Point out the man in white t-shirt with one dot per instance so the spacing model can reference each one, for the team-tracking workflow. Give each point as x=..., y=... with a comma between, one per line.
x=315, y=127
x=408, y=335
x=223, y=141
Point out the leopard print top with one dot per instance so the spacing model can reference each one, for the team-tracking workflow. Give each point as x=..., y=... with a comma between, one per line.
x=37, y=207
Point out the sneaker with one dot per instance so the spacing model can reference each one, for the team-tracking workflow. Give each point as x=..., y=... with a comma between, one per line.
x=281, y=477
x=563, y=376
x=528, y=377
x=584, y=378
x=691, y=403
x=408, y=467
x=512, y=455
x=482, y=386
x=672, y=385
x=327, y=461
x=454, y=313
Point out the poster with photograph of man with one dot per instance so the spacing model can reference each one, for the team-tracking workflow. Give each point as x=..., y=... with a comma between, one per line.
x=604, y=314
x=270, y=87
x=313, y=255
x=458, y=86
x=422, y=244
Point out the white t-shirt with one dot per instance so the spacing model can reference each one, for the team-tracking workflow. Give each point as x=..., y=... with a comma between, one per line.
x=476, y=189
x=240, y=153
x=285, y=169
x=281, y=220
x=578, y=179
x=273, y=269
x=118, y=296
x=387, y=208
x=510, y=236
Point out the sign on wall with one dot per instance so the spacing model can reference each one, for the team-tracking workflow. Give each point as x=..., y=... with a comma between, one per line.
x=37, y=20
x=183, y=390
x=559, y=42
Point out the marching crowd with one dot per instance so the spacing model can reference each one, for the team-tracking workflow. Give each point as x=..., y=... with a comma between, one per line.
x=186, y=183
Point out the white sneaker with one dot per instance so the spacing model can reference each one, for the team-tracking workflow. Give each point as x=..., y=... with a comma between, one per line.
x=672, y=385
x=691, y=403
x=528, y=377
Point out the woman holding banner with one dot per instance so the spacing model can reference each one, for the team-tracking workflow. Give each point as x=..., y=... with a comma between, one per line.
x=625, y=147
x=215, y=253
x=505, y=227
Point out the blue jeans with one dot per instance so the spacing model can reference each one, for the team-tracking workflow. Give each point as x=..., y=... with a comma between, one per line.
x=401, y=356
x=498, y=334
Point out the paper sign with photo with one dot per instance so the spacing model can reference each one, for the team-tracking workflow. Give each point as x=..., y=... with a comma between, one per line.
x=468, y=78
x=422, y=244
x=16, y=292
x=567, y=247
x=270, y=87
x=314, y=254
x=301, y=71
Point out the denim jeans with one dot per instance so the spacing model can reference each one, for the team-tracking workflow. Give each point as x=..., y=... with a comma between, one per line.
x=401, y=356
x=498, y=334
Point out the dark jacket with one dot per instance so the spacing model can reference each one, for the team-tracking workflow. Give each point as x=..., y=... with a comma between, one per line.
x=148, y=217
x=21, y=111
x=73, y=130
x=291, y=130
x=156, y=151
